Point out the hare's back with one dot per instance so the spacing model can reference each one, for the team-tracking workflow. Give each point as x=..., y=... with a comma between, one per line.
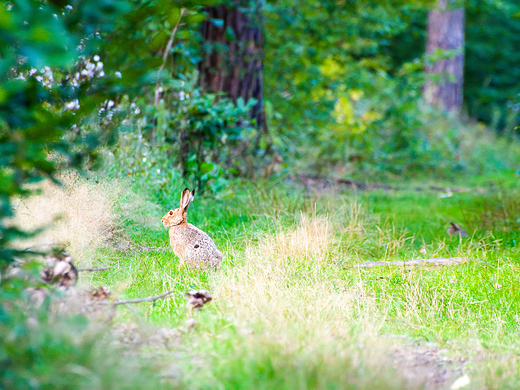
x=193, y=235
x=194, y=246
x=198, y=243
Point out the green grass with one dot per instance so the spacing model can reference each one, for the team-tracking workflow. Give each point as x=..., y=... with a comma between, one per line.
x=291, y=311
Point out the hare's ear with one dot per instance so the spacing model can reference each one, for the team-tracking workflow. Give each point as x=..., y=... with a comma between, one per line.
x=190, y=199
x=185, y=196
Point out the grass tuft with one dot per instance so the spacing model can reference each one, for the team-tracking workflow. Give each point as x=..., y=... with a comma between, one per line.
x=79, y=214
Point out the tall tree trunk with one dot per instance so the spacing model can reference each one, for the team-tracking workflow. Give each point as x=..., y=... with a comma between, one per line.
x=445, y=31
x=234, y=64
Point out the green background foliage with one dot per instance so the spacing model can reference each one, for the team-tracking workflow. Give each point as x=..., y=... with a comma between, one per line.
x=492, y=58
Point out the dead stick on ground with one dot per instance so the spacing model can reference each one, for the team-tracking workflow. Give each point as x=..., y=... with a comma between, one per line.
x=153, y=248
x=139, y=300
x=93, y=269
x=437, y=261
x=147, y=299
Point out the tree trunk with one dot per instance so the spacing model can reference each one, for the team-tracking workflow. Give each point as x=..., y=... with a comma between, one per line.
x=446, y=32
x=234, y=64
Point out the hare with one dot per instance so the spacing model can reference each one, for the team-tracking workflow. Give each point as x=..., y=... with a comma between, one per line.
x=188, y=242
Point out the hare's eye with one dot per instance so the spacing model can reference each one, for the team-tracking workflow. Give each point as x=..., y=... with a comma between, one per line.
x=171, y=212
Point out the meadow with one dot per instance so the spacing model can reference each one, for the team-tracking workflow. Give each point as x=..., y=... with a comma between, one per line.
x=291, y=310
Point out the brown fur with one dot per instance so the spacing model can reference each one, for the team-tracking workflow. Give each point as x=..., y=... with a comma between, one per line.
x=189, y=243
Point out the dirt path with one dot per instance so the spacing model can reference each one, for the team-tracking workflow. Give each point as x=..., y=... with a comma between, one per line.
x=422, y=363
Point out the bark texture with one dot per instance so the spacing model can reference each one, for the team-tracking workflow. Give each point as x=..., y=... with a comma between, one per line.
x=234, y=62
x=445, y=31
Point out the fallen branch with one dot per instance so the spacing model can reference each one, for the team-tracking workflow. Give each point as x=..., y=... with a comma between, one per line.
x=437, y=261
x=152, y=248
x=93, y=269
x=138, y=300
x=147, y=299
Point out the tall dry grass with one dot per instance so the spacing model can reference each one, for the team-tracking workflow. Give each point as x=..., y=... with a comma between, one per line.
x=296, y=272
x=289, y=290
x=79, y=215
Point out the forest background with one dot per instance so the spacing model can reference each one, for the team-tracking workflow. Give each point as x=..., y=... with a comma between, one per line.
x=163, y=95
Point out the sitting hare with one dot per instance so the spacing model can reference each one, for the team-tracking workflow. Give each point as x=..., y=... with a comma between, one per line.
x=191, y=244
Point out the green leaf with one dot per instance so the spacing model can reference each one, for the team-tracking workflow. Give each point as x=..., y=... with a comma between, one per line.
x=173, y=16
x=206, y=167
x=195, y=18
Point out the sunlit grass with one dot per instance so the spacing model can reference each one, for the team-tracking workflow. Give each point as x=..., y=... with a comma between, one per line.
x=288, y=287
x=289, y=303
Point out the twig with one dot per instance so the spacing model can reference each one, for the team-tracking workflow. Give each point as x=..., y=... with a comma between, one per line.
x=152, y=248
x=437, y=261
x=37, y=246
x=165, y=57
x=139, y=300
x=147, y=299
x=92, y=269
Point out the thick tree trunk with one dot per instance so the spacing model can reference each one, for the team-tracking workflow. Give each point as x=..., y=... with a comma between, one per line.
x=445, y=31
x=234, y=65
